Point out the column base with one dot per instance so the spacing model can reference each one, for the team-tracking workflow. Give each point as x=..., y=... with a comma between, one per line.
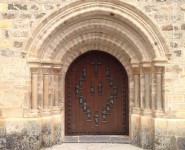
x=31, y=113
x=56, y=110
x=136, y=110
x=159, y=114
x=45, y=112
x=146, y=112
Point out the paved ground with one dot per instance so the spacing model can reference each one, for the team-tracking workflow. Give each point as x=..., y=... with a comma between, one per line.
x=93, y=146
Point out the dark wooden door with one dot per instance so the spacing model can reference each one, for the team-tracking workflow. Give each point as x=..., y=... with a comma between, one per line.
x=96, y=101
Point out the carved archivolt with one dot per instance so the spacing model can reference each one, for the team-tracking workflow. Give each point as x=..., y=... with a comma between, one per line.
x=111, y=26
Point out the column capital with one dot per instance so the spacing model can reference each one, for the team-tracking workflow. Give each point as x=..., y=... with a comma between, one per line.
x=136, y=70
x=34, y=70
x=159, y=69
x=146, y=69
x=46, y=69
x=56, y=70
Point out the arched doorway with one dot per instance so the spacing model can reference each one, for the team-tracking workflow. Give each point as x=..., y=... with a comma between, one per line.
x=96, y=96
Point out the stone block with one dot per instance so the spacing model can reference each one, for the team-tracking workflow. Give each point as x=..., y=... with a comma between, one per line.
x=5, y=43
x=18, y=44
x=169, y=27
x=183, y=26
x=94, y=139
x=16, y=6
x=182, y=7
x=146, y=132
x=23, y=134
x=71, y=139
x=3, y=7
x=178, y=53
x=181, y=143
x=5, y=24
x=177, y=98
x=12, y=112
x=165, y=143
x=160, y=126
x=119, y=139
x=135, y=122
x=135, y=138
x=46, y=132
x=9, y=16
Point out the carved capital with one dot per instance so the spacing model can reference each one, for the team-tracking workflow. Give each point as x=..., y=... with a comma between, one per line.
x=46, y=70
x=147, y=70
x=159, y=69
x=136, y=70
x=56, y=70
x=34, y=70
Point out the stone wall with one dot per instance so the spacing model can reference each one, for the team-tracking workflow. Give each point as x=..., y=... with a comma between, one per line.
x=18, y=22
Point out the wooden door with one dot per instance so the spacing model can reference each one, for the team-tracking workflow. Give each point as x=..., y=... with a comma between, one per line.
x=96, y=97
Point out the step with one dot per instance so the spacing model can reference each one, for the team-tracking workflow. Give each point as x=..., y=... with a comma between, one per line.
x=97, y=139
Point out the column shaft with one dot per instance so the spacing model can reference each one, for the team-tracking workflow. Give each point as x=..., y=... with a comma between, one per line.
x=46, y=90
x=159, y=91
x=137, y=90
x=34, y=89
x=56, y=101
x=147, y=91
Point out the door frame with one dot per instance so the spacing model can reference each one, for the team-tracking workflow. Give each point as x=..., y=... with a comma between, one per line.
x=68, y=138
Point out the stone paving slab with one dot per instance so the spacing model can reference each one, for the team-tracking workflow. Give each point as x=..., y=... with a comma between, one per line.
x=92, y=146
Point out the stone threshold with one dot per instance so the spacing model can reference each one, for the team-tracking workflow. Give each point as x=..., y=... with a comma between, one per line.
x=97, y=139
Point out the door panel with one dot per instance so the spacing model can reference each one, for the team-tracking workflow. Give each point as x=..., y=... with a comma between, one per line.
x=96, y=101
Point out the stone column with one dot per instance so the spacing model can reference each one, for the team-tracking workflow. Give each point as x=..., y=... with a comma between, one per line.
x=159, y=102
x=45, y=71
x=34, y=88
x=56, y=72
x=147, y=98
x=136, y=72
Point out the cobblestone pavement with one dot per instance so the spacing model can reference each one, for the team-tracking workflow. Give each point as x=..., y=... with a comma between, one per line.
x=93, y=146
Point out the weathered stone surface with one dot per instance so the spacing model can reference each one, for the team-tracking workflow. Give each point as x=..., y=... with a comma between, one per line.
x=46, y=135
x=135, y=138
x=174, y=45
x=181, y=143
x=183, y=26
x=147, y=142
x=57, y=134
x=3, y=7
x=5, y=24
x=9, y=16
x=166, y=142
x=38, y=16
x=169, y=28
x=22, y=21
x=6, y=52
x=18, y=44
x=17, y=6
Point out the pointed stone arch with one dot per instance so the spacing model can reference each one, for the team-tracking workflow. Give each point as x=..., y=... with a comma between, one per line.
x=111, y=26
